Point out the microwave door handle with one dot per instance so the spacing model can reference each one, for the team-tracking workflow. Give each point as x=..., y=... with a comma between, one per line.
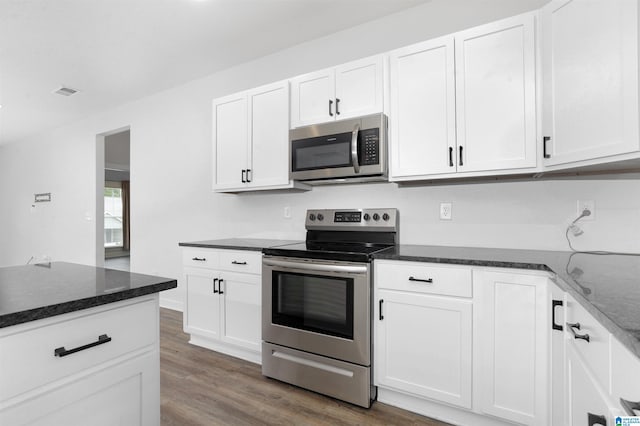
x=354, y=148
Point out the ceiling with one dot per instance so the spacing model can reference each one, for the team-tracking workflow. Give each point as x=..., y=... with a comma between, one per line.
x=115, y=51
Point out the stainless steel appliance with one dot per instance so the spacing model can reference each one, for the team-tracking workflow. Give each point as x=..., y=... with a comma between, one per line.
x=317, y=303
x=353, y=150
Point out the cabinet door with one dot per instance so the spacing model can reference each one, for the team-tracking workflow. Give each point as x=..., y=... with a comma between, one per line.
x=127, y=393
x=312, y=98
x=557, y=374
x=511, y=337
x=230, y=141
x=423, y=132
x=590, y=80
x=269, y=120
x=241, y=296
x=587, y=404
x=202, y=308
x=423, y=346
x=359, y=88
x=495, y=90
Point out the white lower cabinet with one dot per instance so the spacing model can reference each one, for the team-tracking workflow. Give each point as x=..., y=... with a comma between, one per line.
x=467, y=345
x=114, y=383
x=223, y=301
x=511, y=339
x=423, y=346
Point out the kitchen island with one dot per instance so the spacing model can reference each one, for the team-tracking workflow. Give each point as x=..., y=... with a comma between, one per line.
x=79, y=345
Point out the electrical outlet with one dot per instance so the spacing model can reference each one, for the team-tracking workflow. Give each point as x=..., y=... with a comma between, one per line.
x=586, y=205
x=445, y=211
x=287, y=212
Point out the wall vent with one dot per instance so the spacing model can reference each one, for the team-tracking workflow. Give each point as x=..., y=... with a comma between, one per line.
x=66, y=91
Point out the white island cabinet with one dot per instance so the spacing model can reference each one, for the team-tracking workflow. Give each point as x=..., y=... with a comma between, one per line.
x=97, y=366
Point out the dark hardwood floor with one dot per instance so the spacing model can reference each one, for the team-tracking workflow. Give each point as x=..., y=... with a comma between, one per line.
x=202, y=387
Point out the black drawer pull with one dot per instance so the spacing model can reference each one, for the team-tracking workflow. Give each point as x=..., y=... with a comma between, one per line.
x=199, y=259
x=235, y=262
x=596, y=419
x=545, y=154
x=460, y=159
x=220, y=286
x=380, y=316
x=428, y=280
x=630, y=407
x=215, y=290
x=248, y=176
x=554, y=305
x=244, y=174
x=61, y=351
x=576, y=326
x=450, y=156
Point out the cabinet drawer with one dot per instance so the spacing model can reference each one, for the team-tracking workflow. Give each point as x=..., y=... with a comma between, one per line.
x=200, y=258
x=594, y=352
x=241, y=261
x=424, y=278
x=28, y=360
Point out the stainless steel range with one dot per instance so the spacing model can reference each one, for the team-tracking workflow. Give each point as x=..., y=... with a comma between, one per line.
x=317, y=303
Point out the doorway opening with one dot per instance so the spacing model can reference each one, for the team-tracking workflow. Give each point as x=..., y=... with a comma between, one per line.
x=113, y=194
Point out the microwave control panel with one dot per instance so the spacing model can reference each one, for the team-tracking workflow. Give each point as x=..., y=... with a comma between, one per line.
x=369, y=146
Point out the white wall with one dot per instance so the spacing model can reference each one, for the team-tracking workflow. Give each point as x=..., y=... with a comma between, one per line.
x=171, y=172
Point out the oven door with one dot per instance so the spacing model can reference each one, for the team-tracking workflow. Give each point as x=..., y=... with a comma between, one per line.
x=322, y=307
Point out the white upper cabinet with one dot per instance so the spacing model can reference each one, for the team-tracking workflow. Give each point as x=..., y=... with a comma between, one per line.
x=230, y=127
x=343, y=92
x=251, y=140
x=465, y=102
x=590, y=80
x=423, y=122
x=496, y=95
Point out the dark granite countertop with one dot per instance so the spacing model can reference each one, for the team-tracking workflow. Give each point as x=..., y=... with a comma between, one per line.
x=251, y=244
x=607, y=285
x=33, y=292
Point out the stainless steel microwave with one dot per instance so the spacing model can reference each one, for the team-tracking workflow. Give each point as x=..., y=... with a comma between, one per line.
x=353, y=150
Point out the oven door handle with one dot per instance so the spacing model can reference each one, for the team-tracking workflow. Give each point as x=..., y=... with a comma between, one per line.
x=354, y=148
x=316, y=267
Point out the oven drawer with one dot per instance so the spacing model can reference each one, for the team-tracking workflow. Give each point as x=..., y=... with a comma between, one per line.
x=423, y=278
x=339, y=379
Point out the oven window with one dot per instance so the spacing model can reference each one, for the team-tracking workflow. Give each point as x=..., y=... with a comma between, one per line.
x=313, y=302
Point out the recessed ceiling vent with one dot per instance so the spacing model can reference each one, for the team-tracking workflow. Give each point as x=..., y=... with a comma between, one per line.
x=66, y=91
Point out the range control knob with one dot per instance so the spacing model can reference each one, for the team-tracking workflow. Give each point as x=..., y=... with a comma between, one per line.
x=320, y=216
x=366, y=216
x=376, y=216
x=385, y=217
x=312, y=216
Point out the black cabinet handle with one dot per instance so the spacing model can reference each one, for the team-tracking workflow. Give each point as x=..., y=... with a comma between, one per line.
x=330, y=106
x=450, y=156
x=235, y=262
x=248, y=175
x=337, y=106
x=573, y=328
x=428, y=280
x=545, y=139
x=199, y=259
x=244, y=180
x=215, y=291
x=460, y=158
x=596, y=419
x=380, y=316
x=61, y=351
x=630, y=407
x=554, y=305
x=220, y=286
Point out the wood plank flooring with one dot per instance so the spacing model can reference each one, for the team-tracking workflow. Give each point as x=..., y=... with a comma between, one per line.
x=202, y=387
